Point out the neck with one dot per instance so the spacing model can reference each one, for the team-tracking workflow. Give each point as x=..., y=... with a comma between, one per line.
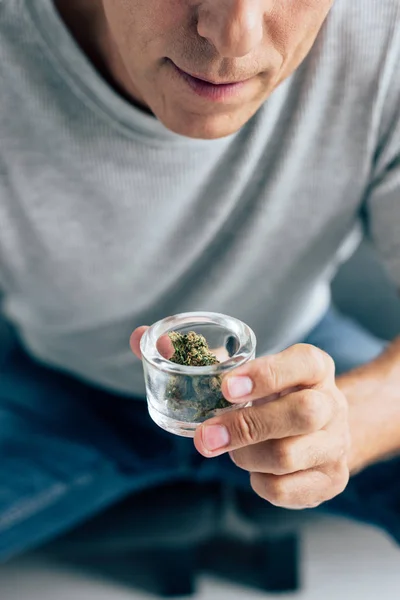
x=87, y=23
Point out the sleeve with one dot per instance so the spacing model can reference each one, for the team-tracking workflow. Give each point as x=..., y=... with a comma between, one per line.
x=382, y=204
x=383, y=219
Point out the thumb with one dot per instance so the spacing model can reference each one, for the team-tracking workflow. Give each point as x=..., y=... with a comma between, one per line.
x=134, y=341
x=164, y=344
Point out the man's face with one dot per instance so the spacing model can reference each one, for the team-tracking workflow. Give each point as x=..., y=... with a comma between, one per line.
x=170, y=47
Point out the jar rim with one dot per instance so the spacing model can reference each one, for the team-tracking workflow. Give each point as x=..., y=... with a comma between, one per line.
x=244, y=334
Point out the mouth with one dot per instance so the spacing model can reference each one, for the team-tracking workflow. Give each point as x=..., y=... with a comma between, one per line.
x=210, y=81
x=211, y=89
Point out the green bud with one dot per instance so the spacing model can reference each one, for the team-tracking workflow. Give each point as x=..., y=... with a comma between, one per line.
x=194, y=398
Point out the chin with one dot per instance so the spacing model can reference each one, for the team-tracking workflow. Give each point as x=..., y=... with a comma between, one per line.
x=204, y=127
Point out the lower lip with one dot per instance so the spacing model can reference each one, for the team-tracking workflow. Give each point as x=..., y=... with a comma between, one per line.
x=210, y=91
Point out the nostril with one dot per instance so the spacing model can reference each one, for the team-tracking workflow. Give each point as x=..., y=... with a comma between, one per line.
x=234, y=33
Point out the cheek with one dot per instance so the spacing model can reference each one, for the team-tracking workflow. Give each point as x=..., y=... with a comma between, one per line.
x=294, y=24
x=139, y=24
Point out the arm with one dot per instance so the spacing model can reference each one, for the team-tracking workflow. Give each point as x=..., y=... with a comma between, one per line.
x=373, y=395
x=373, y=391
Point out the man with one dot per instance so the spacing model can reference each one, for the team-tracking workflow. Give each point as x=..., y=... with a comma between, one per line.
x=159, y=156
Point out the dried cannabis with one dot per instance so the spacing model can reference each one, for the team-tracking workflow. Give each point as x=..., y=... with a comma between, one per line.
x=194, y=397
x=192, y=350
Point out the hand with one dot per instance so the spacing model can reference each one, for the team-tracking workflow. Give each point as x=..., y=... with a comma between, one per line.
x=294, y=440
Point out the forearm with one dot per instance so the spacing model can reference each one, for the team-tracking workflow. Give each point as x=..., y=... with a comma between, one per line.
x=373, y=394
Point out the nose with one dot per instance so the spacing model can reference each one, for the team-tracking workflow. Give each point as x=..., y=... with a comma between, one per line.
x=233, y=27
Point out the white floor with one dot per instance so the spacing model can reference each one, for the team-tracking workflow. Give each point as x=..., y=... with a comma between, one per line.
x=342, y=561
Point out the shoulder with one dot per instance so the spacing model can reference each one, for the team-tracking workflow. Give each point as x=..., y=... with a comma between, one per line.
x=14, y=22
x=363, y=29
x=358, y=16
x=11, y=9
x=20, y=42
x=358, y=52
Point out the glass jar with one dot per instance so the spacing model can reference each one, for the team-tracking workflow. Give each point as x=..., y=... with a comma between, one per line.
x=182, y=397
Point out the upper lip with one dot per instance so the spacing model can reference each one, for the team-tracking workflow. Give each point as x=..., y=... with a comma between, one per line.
x=213, y=81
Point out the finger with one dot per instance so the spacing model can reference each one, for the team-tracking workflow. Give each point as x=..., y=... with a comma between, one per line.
x=164, y=344
x=276, y=396
x=165, y=347
x=306, y=489
x=135, y=340
x=296, y=414
x=282, y=457
x=300, y=365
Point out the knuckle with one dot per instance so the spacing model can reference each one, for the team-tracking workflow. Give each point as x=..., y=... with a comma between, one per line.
x=248, y=427
x=342, y=405
x=340, y=445
x=317, y=358
x=318, y=361
x=310, y=413
x=238, y=460
x=310, y=499
x=339, y=409
x=276, y=492
x=317, y=457
x=268, y=373
x=343, y=443
x=329, y=363
x=283, y=460
x=341, y=477
x=314, y=503
x=258, y=484
x=314, y=358
x=271, y=488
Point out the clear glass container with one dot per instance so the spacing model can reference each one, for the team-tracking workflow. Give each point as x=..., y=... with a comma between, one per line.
x=182, y=397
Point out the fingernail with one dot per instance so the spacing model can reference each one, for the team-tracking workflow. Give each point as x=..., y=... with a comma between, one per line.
x=238, y=387
x=215, y=437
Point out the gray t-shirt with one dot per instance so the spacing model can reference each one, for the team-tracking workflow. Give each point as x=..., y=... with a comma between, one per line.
x=109, y=221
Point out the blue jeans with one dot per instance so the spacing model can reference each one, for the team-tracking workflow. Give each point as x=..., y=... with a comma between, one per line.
x=67, y=450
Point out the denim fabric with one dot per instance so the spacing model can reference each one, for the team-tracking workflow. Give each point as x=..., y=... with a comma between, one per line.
x=68, y=450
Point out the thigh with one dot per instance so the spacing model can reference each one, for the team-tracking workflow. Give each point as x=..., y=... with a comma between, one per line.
x=346, y=341
x=67, y=451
